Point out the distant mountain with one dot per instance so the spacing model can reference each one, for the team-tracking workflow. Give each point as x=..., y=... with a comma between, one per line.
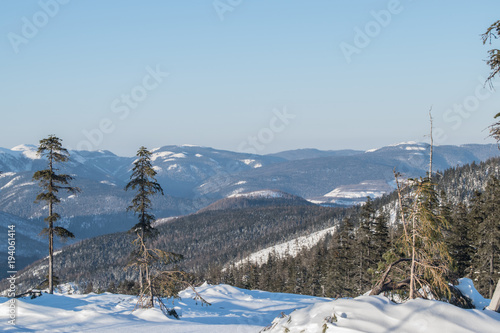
x=307, y=153
x=195, y=177
x=213, y=238
x=263, y=198
x=101, y=176
x=28, y=245
x=315, y=178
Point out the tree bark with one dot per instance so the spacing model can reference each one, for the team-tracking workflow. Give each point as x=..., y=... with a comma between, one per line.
x=412, y=271
x=492, y=269
x=51, y=232
x=495, y=300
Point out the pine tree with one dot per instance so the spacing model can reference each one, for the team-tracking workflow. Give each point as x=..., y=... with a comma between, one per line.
x=422, y=253
x=381, y=240
x=493, y=32
x=52, y=183
x=431, y=260
x=346, y=259
x=143, y=180
x=487, y=259
x=364, y=245
x=460, y=240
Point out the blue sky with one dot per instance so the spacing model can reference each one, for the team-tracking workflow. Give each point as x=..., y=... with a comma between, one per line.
x=256, y=76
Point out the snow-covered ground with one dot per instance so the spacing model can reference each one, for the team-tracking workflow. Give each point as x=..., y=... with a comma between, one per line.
x=377, y=314
x=258, y=194
x=290, y=248
x=235, y=310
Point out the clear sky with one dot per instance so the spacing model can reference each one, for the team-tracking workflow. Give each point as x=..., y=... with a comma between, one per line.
x=244, y=75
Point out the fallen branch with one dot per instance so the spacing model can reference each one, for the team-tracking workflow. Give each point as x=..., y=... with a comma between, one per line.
x=382, y=285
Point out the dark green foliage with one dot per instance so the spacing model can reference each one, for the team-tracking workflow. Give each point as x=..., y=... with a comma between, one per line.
x=210, y=240
x=143, y=181
x=486, y=215
x=493, y=32
x=207, y=240
x=365, y=247
x=460, y=241
x=51, y=183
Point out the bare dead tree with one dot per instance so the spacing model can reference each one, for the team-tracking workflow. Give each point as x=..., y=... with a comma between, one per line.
x=158, y=283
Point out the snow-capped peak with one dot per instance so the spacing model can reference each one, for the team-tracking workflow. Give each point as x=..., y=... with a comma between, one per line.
x=259, y=194
x=408, y=145
x=29, y=151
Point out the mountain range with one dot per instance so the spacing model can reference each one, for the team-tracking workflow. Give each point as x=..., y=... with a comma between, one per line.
x=195, y=178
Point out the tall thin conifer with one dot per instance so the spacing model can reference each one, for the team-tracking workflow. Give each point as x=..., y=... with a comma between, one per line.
x=51, y=183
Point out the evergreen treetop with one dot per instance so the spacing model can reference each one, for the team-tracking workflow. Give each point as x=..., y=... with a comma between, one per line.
x=144, y=182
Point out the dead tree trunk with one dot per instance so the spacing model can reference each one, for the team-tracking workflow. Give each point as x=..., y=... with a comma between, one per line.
x=495, y=300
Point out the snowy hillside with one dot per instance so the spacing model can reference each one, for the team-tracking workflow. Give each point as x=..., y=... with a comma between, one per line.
x=235, y=310
x=290, y=248
x=255, y=199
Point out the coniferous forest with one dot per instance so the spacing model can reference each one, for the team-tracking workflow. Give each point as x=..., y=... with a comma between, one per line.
x=346, y=263
x=349, y=262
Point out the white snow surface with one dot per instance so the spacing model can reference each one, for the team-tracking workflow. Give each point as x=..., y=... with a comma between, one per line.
x=257, y=194
x=235, y=310
x=339, y=193
x=29, y=151
x=466, y=286
x=290, y=248
x=377, y=314
x=162, y=154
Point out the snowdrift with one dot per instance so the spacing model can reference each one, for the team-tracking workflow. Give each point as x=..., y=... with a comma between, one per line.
x=235, y=310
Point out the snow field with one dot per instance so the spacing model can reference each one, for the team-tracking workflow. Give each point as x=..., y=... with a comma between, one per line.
x=377, y=314
x=235, y=310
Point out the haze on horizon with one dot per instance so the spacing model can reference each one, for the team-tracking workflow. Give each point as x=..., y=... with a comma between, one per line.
x=240, y=75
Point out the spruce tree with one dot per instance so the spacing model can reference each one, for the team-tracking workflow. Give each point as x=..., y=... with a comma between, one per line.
x=347, y=265
x=155, y=282
x=431, y=260
x=460, y=241
x=381, y=240
x=51, y=183
x=143, y=181
x=364, y=245
x=493, y=61
x=421, y=255
x=487, y=258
